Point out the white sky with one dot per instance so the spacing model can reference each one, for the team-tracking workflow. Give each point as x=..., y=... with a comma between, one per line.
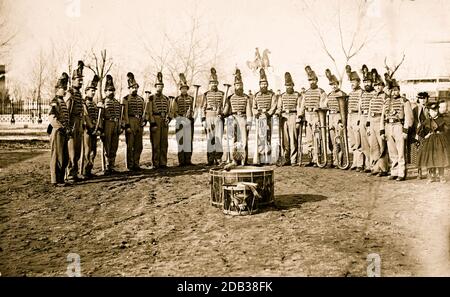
x=242, y=25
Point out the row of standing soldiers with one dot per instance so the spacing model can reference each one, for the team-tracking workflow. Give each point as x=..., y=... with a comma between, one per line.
x=376, y=114
x=77, y=122
x=383, y=128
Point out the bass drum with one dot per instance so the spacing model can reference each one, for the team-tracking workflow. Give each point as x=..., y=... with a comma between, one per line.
x=262, y=177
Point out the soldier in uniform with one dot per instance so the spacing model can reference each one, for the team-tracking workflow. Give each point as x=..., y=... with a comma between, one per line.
x=264, y=106
x=313, y=98
x=377, y=145
x=212, y=119
x=396, y=119
x=364, y=165
x=334, y=122
x=76, y=115
x=289, y=108
x=134, y=121
x=183, y=111
x=354, y=119
x=420, y=114
x=59, y=121
x=90, y=133
x=238, y=107
x=111, y=124
x=159, y=115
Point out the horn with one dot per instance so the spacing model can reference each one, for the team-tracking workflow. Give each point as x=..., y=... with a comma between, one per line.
x=320, y=138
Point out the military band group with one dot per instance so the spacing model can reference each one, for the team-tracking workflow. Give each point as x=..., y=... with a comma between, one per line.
x=372, y=129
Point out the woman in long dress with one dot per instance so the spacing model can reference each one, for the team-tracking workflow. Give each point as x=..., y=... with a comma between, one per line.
x=434, y=152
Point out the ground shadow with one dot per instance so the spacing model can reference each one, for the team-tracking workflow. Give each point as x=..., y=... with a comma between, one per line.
x=9, y=158
x=149, y=173
x=288, y=201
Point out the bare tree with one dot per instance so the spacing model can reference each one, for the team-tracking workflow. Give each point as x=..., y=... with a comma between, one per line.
x=101, y=66
x=7, y=34
x=391, y=70
x=38, y=79
x=351, y=38
x=193, y=52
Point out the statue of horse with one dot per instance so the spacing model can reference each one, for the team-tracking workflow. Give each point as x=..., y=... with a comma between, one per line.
x=259, y=62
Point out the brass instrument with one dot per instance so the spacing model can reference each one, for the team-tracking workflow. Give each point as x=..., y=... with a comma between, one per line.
x=320, y=139
x=341, y=138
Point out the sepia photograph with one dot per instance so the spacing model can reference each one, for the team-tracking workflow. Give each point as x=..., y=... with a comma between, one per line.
x=195, y=138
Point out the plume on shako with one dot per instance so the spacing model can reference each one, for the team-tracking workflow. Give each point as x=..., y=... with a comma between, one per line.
x=159, y=79
x=62, y=81
x=366, y=74
x=331, y=78
x=213, y=76
x=352, y=75
x=94, y=82
x=310, y=73
x=182, y=83
x=109, y=84
x=237, y=76
x=262, y=75
x=78, y=73
x=376, y=78
x=388, y=80
x=348, y=70
x=131, y=80
x=288, y=79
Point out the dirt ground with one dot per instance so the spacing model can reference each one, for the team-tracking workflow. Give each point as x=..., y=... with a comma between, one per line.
x=325, y=222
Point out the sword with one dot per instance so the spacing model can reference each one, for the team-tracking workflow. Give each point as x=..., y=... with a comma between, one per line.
x=119, y=127
x=299, y=143
x=228, y=155
x=194, y=104
x=98, y=132
x=256, y=155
